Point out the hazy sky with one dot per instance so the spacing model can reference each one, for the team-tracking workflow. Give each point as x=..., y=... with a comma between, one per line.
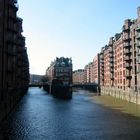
x=71, y=28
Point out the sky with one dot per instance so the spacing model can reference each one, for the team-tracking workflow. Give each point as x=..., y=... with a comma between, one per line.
x=71, y=28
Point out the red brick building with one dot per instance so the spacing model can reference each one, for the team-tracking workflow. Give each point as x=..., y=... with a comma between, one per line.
x=119, y=69
x=14, y=64
x=78, y=76
x=123, y=79
x=60, y=69
x=96, y=69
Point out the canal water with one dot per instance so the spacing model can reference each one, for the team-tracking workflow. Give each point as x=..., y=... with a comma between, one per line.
x=39, y=116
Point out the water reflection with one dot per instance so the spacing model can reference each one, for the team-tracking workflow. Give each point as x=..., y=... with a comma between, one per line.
x=42, y=117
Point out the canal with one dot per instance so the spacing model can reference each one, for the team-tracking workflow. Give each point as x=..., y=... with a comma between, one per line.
x=39, y=116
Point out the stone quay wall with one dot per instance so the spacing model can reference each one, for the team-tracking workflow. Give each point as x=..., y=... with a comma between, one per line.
x=128, y=94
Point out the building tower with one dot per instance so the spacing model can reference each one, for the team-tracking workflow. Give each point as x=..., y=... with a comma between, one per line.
x=138, y=48
x=111, y=57
x=127, y=51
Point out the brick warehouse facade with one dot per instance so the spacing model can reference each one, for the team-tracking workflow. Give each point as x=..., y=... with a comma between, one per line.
x=125, y=63
x=60, y=69
x=78, y=76
x=96, y=69
x=14, y=64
